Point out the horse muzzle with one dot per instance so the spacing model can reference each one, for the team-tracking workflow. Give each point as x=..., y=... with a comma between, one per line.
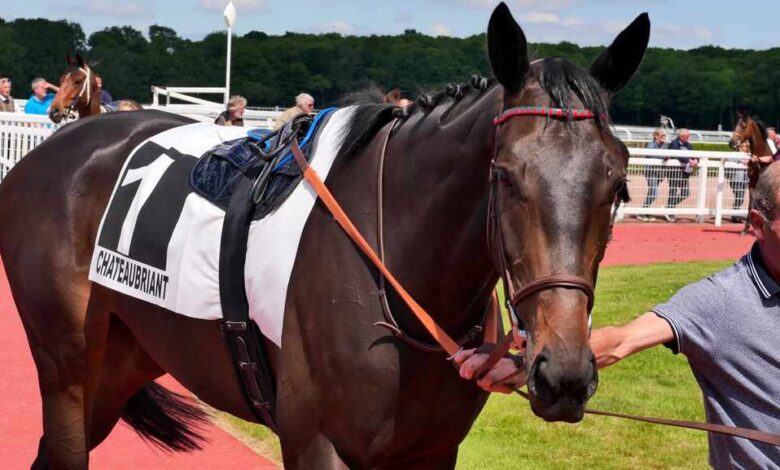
x=56, y=115
x=559, y=387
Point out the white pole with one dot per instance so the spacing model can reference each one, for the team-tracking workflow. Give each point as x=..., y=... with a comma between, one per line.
x=230, y=20
x=227, y=68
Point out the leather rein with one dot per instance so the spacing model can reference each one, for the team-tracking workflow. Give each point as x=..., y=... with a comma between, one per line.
x=452, y=347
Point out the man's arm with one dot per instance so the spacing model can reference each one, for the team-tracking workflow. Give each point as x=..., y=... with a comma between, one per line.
x=610, y=344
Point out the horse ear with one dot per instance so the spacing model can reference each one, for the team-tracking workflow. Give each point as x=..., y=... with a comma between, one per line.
x=616, y=65
x=68, y=59
x=79, y=60
x=507, y=49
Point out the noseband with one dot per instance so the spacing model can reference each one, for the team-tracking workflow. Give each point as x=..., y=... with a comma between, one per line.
x=495, y=235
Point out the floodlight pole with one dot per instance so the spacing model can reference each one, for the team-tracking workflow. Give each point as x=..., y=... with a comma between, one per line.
x=230, y=20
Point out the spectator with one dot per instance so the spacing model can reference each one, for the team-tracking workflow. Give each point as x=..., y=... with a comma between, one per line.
x=40, y=101
x=105, y=96
x=128, y=105
x=738, y=180
x=304, y=103
x=6, y=101
x=653, y=173
x=722, y=325
x=771, y=139
x=234, y=115
x=679, y=177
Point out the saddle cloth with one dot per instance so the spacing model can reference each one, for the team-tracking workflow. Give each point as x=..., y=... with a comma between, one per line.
x=159, y=240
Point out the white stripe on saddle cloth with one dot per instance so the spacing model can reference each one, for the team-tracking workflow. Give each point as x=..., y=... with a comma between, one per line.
x=188, y=283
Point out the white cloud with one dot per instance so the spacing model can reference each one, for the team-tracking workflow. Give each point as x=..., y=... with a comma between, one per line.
x=441, y=29
x=115, y=9
x=341, y=27
x=540, y=17
x=545, y=5
x=242, y=6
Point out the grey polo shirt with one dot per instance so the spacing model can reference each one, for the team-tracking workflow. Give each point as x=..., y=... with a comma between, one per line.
x=727, y=325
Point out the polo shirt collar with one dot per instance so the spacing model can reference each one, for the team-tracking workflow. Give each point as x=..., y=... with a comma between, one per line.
x=766, y=285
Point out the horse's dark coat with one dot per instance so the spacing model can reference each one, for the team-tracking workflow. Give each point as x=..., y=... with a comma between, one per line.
x=349, y=394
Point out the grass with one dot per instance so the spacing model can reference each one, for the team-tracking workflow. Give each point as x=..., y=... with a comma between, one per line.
x=654, y=383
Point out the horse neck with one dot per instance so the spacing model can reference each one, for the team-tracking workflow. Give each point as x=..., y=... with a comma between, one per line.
x=436, y=185
x=758, y=144
x=93, y=106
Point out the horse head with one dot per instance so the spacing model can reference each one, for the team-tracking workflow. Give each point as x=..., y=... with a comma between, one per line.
x=557, y=173
x=78, y=91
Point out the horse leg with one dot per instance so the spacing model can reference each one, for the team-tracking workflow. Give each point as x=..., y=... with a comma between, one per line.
x=437, y=462
x=54, y=327
x=117, y=369
x=318, y=452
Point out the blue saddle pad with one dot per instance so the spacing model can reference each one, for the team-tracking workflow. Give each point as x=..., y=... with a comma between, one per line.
x=217, y=173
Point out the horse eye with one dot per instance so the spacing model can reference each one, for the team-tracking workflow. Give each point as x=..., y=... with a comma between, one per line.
x=504, y=178
x=621, y=191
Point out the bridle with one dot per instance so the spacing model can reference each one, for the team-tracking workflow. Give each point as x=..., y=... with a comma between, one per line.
x=85, y=88
x=495, y=235
x=451, y=346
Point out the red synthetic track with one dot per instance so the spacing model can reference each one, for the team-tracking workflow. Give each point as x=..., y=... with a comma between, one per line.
x=20, y=417
x=20, y=403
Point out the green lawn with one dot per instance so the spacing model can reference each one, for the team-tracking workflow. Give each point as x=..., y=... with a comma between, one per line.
x=654, y=383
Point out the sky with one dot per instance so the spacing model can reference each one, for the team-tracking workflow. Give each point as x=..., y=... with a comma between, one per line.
x=680, y=24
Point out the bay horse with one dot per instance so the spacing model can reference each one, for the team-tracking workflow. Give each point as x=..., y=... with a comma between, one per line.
x=79, y=91
x=349, y=394
x=752, y=131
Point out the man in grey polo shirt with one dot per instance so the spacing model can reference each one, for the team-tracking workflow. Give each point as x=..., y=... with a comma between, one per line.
x=727, y=325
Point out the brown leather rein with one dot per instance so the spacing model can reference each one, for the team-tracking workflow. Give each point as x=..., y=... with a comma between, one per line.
x=452, y=347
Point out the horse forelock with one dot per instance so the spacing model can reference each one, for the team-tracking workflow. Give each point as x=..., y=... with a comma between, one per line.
x=562, y=80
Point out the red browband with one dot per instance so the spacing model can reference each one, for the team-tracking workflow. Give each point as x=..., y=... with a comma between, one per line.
x=543, y=111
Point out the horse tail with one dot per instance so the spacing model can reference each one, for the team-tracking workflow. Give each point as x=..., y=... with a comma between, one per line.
x=168, y=420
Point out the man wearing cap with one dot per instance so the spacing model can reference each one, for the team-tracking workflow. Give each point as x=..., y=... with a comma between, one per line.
x=6, y=101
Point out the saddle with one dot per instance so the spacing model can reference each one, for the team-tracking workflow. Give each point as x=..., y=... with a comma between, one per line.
x=249, y=178
x=262, y=156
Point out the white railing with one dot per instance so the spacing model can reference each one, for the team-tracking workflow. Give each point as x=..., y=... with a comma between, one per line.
x=20, y=133
x=205, y=110
x=716, y=188
x=645, y=134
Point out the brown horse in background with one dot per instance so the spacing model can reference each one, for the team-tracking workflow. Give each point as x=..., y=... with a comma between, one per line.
x=79, y=91
x=752, y=132
x=349, y=394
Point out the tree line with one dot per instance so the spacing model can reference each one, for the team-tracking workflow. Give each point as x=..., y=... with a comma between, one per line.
x=698, y=88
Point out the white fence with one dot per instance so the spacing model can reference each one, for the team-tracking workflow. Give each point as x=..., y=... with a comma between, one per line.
x=20, y=133
x=657, y=184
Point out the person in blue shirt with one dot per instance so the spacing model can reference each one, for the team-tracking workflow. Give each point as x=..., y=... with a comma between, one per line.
x=679, y=177
x=40, y=101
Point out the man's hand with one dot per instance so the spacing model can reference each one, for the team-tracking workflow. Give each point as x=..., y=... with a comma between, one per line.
x=470, y=361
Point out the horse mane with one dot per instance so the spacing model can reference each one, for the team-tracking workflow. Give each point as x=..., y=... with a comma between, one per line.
x=761, y=126
x=371, y=114
x=559, y=78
